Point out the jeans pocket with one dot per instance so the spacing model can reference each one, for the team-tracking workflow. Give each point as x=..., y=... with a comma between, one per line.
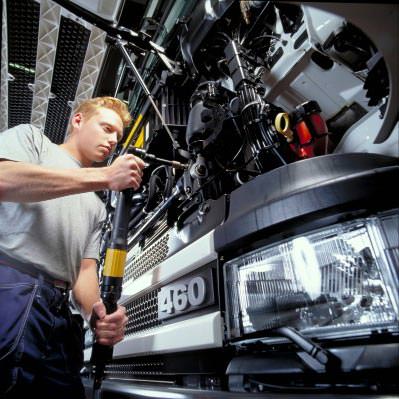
x=15, y=304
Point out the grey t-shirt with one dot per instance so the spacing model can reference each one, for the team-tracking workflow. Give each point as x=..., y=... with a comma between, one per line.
x=54, y=235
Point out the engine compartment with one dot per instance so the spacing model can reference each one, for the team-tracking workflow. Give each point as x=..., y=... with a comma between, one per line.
x=271, y=108
x=260, y=87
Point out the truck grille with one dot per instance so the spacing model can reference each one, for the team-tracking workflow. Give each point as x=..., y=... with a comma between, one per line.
x=143, y=313
x=131, y=368
x=148, y=259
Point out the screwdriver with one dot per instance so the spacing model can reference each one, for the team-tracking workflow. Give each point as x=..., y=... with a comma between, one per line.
x=150, y=158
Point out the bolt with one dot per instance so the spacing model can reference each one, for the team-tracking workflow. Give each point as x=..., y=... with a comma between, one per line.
x=201, y=169
x=205, y=208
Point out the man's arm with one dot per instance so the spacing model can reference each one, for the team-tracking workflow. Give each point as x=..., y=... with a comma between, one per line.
x=24, y=182
x=109, y=329
x=86, y=291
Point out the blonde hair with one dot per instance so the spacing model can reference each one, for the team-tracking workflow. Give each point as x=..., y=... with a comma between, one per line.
x=89, y=107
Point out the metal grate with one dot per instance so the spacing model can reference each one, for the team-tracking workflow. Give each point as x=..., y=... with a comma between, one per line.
x=143, y=313
x=175, y=110
x=129, y=368
x=148, y=259
x=22, y=33
x=95, y=54
x=71, y=49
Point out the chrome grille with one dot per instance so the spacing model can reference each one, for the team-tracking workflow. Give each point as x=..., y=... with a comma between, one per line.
x=137, y=367
x=148, y=259
x=143, y=313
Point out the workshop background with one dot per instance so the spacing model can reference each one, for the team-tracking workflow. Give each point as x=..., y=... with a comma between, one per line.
x=51, y=60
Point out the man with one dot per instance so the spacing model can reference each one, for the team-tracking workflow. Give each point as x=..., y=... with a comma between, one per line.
x=50, y=224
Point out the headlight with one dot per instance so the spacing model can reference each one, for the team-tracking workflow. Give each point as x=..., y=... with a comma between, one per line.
x=337, y=280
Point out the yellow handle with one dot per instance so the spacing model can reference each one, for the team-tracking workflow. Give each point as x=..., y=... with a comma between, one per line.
x=115, y=260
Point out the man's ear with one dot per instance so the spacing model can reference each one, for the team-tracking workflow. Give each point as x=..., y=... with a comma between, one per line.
x=76, y=120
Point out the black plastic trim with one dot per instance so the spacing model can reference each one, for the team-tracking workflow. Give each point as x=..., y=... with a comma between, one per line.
x=311, y=189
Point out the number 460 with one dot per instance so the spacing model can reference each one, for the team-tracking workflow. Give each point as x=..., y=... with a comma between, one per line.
x=178, y=297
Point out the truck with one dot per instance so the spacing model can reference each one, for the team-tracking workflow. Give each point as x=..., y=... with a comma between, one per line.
x=263, y=259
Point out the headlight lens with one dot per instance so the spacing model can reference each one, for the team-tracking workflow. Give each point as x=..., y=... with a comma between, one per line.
x=336, y=280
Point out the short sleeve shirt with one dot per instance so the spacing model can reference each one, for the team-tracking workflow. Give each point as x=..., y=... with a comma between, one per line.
x=54, y=235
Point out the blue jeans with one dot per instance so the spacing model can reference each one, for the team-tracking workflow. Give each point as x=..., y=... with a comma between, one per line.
x=41, y=343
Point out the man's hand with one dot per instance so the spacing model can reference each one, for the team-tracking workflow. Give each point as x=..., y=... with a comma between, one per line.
x=108, y=328
x=125, y=172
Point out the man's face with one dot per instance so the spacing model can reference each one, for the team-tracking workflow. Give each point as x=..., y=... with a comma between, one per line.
x=97, y=136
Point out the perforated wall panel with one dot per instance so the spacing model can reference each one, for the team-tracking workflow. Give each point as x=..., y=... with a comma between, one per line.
x=72, y=43
x=22, y=32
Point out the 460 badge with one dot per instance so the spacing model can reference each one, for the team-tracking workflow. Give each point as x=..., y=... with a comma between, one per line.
x=186, y=294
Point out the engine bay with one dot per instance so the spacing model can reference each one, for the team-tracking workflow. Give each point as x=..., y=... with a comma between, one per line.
x=270, y=131
x=255, y=86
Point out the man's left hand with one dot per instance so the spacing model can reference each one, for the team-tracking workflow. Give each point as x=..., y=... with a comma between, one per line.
x=108, y=328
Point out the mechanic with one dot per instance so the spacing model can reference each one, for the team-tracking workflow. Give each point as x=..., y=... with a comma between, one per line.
x=50, y=227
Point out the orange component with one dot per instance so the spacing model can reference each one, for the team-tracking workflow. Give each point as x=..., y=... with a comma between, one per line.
x=318, y=124
x=304, y=146
x=303, y=133
x=303, y=152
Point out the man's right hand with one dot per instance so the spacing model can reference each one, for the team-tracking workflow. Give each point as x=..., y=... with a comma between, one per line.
x=125, y=172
